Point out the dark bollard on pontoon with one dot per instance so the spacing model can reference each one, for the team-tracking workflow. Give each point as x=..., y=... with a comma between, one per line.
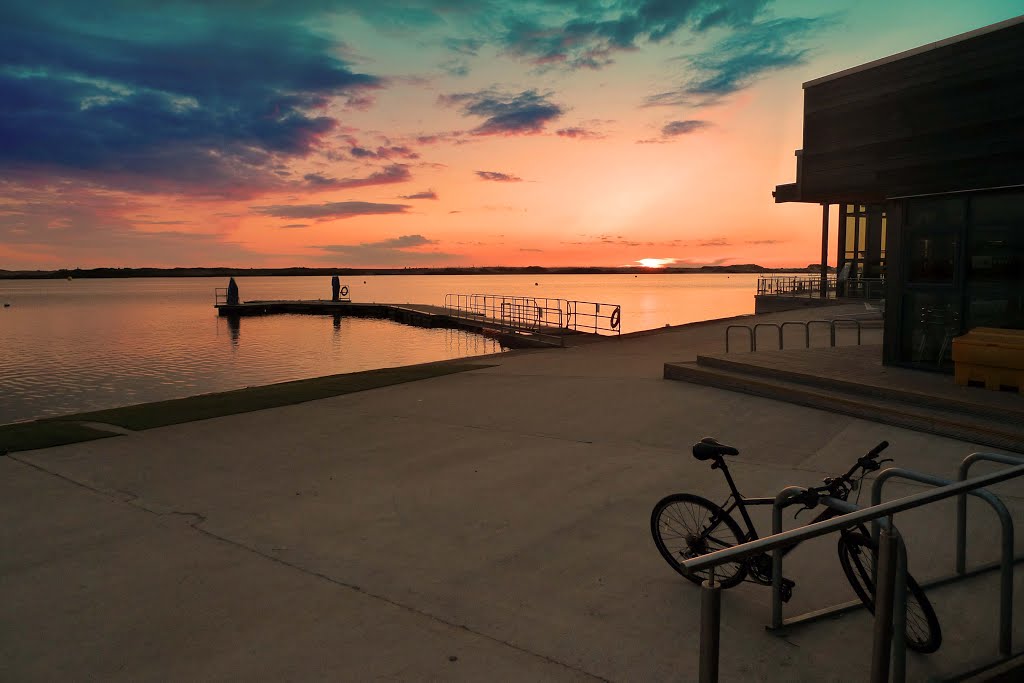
x=232, y=292
x=335, y=288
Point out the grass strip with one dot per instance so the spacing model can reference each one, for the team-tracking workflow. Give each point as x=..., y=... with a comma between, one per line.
x=62, y=430
x=27, y=436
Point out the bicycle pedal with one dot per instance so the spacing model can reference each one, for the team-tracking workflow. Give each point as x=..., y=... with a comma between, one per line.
x=787, y=589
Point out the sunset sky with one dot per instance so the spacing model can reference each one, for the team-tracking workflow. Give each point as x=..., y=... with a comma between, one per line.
x=422, y=133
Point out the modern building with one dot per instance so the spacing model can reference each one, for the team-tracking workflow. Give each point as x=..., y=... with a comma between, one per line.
x=923, y=151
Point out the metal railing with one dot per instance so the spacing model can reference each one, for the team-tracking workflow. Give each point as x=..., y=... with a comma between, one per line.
x=536, y=314
x=862, y=288
x=806, y=324
x=810, y=286
x=220, y=296
x=890, y=589
x=590, y=316
x=795, y=285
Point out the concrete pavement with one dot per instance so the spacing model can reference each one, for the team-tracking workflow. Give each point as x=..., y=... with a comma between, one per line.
x=492, y=524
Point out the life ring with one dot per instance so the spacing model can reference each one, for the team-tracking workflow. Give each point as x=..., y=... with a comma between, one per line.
x=615, y=318
x=344, y=290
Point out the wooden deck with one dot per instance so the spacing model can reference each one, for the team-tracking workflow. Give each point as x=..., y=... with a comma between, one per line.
x=420, y=315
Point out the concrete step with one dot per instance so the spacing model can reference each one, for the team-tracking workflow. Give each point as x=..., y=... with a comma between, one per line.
x=1006, y=411
x=993, y=431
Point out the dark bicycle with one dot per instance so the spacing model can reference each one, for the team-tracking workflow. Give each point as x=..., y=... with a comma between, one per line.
x=686, y=526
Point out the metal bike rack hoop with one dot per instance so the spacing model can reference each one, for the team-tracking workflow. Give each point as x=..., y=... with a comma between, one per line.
x=750, y=332
x=845, y=320
x=961, y=503
x=1005, y=521
x=807, y=331
x=777, y=328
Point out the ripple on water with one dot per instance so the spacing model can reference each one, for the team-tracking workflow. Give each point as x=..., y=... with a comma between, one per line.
x=107, y=367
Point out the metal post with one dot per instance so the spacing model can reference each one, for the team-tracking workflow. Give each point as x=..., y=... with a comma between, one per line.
x=780, y=500
x=884, y=589
x=824, y=251
x=1005, y=524
x=961, y=502
x=899, y=616
x=710, y=629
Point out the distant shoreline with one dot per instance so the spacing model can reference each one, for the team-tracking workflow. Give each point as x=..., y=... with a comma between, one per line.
x=85, y=273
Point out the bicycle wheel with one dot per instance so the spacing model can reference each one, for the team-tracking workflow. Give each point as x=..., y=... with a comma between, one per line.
x=686, y=526
x=856, y=555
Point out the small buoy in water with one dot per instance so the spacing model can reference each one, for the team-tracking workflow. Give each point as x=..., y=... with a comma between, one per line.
x=535, y=284
x=69, y=277
x=7, y=305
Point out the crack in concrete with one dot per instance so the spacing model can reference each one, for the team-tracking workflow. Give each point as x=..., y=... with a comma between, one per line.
x=198, y=519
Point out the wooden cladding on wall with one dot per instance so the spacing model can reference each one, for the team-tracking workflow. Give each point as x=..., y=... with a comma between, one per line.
x=947, y=119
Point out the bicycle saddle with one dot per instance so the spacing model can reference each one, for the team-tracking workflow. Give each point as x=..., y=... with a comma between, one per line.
x=708, y=448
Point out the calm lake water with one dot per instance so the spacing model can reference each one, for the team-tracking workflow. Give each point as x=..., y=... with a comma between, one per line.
x=68, y=346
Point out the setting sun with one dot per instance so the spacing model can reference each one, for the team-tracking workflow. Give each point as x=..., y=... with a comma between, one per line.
x=655, y=262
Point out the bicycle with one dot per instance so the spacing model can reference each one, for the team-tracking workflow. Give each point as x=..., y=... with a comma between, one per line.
x=685, y=526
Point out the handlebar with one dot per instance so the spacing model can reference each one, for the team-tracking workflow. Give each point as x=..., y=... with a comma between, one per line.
x=876, y=451
x=867, y=462
x=842, y=485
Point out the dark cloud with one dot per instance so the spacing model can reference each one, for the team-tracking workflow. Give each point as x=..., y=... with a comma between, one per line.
x=176, y=94
x=765, y=241
x=381, y=152
x=521, y=113
x=454, y=136
x=674, y=128
x=457, y=67
x=579, y=133
x=593, y=32
x=402, y=250
x=499, y=177
x=426, y=194
x=715, y=242
x=737, y=61
x=395, y=173
x=330, y=210
x=464, y=46
x=295, y=225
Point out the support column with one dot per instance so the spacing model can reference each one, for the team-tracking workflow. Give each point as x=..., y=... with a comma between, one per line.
x=824, y=251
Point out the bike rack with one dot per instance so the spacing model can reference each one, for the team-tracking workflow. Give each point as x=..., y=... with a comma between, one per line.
x=961, y=508
x=776, y=326
x=777, y=621
x=889, y=647
x=1007, y=559
x=780, y=327
x=753, y=343
x=807, y=332
x=845, y=320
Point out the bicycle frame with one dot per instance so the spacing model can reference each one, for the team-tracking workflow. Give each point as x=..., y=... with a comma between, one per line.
x=738, y=501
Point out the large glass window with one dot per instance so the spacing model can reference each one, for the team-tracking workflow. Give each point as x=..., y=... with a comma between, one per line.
x=963, y=259
x=862, y=245
x=931, y=256
x=995, y=261
x=930, y=321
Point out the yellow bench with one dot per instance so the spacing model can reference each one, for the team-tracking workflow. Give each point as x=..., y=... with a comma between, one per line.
x=990, y=355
